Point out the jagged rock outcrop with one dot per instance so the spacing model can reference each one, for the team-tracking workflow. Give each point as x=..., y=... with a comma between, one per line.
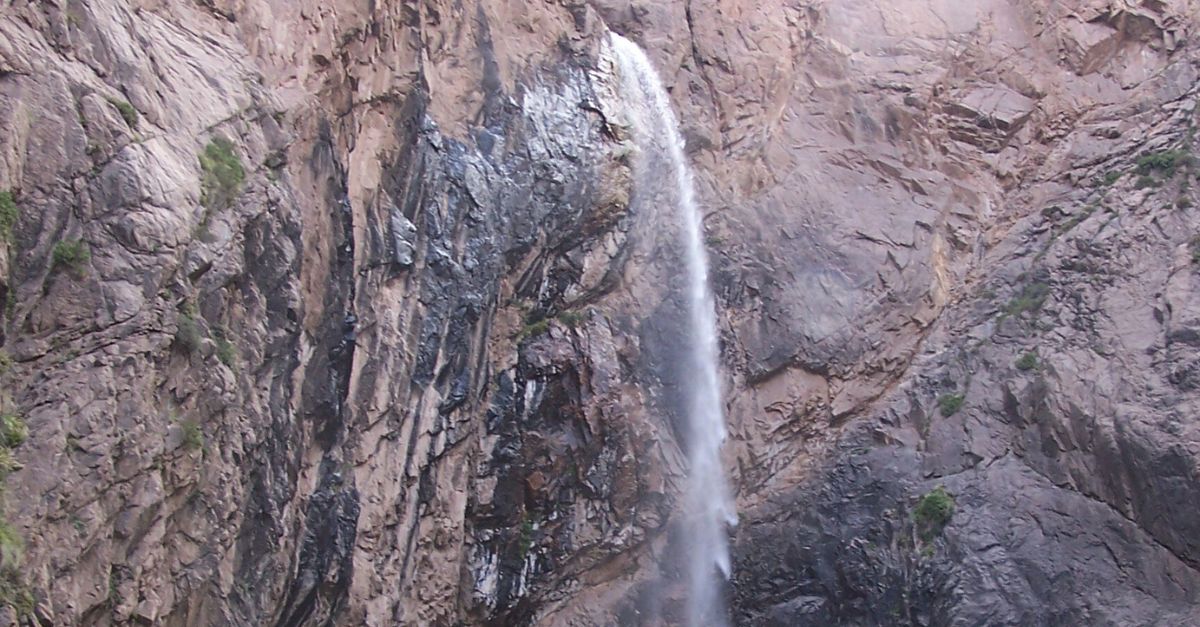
x=354, y=313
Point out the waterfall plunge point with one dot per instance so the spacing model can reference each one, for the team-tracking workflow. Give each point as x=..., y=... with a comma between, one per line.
x=707, y=506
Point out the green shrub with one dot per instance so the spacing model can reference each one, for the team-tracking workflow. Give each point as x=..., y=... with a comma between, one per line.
x=1195, y=246
x=114, y=585
x=12, y=546
x=1028, y=361
x=534, y=329
x=1166, y=162
x=1112, y=176
x=571, y=318
x=193, y=437
x=1031, y=298
x=8, y=463
x=933, y=512
x=222, y=174
x=187, y=334
x=71, y=254
x=128, y=113
x=9, y=212
x=16, y=594
x=526, y=540
x=13, y=431
x=949, y=404
x=226, y=351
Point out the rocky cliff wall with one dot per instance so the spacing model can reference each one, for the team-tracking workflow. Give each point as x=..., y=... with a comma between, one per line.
x=352, y=313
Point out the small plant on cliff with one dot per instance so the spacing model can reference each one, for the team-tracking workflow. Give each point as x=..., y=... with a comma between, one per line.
x=571, y=318
x=949, y=404
x=16, y=594
x=8, y=463
x=1028, y=361
x=526, y=540
x=225, y=349
x=8, y=214
x=71, y=254
x=114, y=586
x=1110, y=177
x=933, y=512
x=193, y=437
x=13, y=431
x=13, y=591
x=222, y=174
x=128, y=113
x=1165, y=162
x=1031, y=298
x=534, y=329
x=12, y=547
x=187, y=333
x=1195, y=247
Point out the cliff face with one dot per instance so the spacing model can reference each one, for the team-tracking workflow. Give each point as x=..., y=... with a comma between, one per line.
x=354, y=312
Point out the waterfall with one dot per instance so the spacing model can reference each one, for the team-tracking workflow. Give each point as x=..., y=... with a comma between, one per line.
x=707, y=506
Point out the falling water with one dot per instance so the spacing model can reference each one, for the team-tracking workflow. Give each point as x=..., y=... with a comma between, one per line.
x=707, y=505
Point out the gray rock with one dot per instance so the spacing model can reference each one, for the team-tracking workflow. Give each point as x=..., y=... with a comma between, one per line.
x=404, y=234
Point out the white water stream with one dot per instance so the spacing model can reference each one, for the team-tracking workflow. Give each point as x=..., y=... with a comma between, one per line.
x=707, y=506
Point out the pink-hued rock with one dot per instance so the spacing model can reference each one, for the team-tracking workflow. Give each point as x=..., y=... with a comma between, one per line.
x=422, y=369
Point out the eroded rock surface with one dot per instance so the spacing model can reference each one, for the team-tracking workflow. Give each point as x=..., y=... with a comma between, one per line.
x=412, y=365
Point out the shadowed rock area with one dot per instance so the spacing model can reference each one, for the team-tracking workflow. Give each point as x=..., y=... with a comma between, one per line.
x=353, y=313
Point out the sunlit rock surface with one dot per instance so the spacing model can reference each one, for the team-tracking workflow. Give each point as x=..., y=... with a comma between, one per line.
x=417, y=369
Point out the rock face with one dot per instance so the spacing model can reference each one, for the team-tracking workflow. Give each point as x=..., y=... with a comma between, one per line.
x=352, y=313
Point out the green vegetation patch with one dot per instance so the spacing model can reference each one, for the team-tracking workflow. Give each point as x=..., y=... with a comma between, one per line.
x=8, y=463
x=226, y=352
x=1165, y=162
x=1027, y=361
x=16, y=594
x=571, y=318
x=534, y=329
x=949, y=404
x=128, y=113
x=222, y=174
x=193, y=436
x=71, y=254
x=9, y=213
x=526, y=540
x=187, y=333
x=1031, y=298
x=933, y=512
x=12, y=546
x=13, y=431
x=1195, y=248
